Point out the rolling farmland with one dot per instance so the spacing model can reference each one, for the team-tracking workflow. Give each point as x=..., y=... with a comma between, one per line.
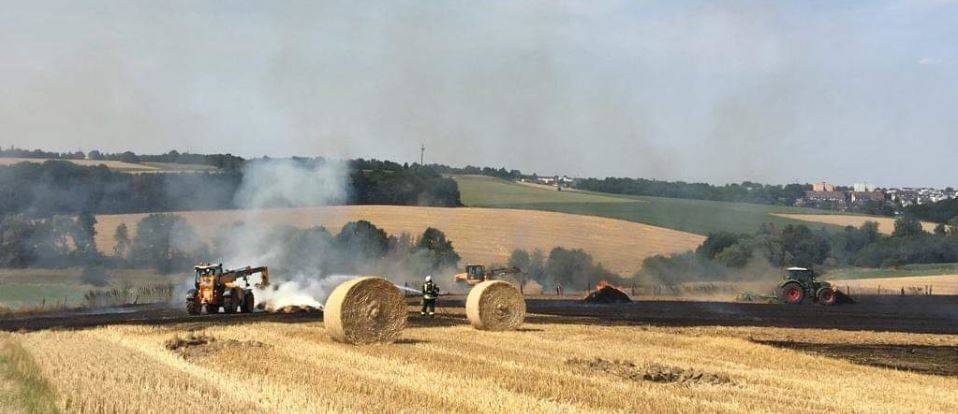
x=693, y=216
x=479, y=235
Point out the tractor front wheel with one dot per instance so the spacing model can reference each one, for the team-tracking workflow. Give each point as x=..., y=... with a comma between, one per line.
x=826, y=296
x=192, y=307
x=212, y=309
x=792, y=293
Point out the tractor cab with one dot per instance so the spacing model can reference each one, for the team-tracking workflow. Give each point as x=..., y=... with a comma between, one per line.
x=207, y=272
x=206, y=279
x=475, y=273
x=800, y=274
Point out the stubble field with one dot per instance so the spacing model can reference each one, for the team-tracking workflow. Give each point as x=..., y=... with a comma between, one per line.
x=553, y=365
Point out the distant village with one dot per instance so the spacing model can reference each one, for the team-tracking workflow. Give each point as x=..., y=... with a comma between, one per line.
x=860, y=195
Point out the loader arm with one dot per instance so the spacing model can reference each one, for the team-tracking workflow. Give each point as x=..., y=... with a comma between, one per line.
x=247, y=271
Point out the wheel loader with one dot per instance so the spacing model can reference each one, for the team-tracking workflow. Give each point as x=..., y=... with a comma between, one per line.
x=216, y=288
x=476, y=274
x=800, y=283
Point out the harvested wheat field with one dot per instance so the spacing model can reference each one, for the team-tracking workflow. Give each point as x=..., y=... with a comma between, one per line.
x=480, y=235
x=270, y=367
x=885, y=224
x=939, y=284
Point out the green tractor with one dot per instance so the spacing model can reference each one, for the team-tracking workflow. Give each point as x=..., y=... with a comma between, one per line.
x=800, y=283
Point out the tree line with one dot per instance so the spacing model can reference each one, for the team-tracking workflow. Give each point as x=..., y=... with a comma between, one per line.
x=732, y=256
x=746, y=192
x=63, y=188
x=945, y=211
x=167, y=243
x=572, y=269
x=221, y=161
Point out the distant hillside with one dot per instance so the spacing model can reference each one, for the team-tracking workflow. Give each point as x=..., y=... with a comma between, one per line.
x=478, y=235
x=693, y=216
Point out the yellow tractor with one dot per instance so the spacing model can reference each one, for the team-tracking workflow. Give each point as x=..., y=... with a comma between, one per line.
x=215, y=288
x=476, y=274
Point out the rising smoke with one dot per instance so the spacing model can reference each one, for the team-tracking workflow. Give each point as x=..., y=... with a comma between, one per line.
x=284, y=184
x=251, y=241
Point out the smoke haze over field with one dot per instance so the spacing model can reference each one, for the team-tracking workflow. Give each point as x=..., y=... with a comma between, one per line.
x=713, y=91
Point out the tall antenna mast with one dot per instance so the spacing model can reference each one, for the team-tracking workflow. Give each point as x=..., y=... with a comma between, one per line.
x=422, y=154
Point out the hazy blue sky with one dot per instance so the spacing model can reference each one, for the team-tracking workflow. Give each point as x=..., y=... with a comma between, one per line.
x=769, y=91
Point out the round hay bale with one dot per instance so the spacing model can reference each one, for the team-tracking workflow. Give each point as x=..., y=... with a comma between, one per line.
x=365, y=310
x=495, y=305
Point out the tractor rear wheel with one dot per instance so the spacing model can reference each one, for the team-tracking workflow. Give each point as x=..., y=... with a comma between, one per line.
x=826, y=296
x=248, y=301
x=792, y=293
x=229, y=305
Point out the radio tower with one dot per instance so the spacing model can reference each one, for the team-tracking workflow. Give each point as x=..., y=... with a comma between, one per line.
x=422, y=153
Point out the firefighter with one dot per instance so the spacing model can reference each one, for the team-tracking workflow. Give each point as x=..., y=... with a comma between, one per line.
x=429, y=294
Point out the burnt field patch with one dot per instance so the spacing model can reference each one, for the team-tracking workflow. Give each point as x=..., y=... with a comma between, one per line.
x=924, y=359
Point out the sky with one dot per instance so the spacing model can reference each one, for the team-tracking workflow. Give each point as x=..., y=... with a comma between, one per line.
x=766, y=91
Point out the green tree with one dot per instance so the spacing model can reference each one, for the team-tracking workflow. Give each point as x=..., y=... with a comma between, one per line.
x=84, y=235
x=520, y=259
x=361, y=244
x=571, y=267
x=165, y=242
x=16, y=249
x=122, y=238
x=941, y=230
x=737, y=255
x=803, y=247
x=442, y=253
x=715, y=243
x=907, y=226
x=953, y=225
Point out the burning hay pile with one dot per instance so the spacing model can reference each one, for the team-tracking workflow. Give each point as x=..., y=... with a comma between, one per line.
x=365, y=310
x=495, y=305
x=606, y=294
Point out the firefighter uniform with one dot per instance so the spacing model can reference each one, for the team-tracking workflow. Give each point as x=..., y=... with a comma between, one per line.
x=429, y=294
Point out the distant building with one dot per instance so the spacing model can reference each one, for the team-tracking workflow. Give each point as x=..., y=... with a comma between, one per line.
x=863, y=187
x=823, y=187
x=833, y=200
x=861, y=197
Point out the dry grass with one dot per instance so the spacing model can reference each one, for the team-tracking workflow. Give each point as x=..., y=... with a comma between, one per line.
x=480, y=235
x=940, y=284
x=297, y=368
x=885, y=224
x=22, y=387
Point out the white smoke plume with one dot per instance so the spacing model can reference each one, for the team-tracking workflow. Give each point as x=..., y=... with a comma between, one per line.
x=278, y=184
x=303, y=291
x=283, y=184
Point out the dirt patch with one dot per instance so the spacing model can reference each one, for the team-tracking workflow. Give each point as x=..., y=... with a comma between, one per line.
x=199, y=344
x=651, y=372
x=923, y=359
